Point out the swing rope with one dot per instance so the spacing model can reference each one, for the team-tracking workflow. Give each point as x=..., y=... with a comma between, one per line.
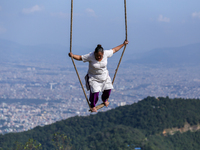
x=72, y=58
x=126, y=29
x=101, y=105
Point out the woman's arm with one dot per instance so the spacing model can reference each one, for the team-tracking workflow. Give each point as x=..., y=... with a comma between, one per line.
x=116, y=49
x=77, y=57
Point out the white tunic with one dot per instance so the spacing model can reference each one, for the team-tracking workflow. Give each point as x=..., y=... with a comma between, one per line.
x=99, y=79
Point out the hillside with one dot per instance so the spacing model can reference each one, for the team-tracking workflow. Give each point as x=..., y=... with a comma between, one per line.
x=138, y=125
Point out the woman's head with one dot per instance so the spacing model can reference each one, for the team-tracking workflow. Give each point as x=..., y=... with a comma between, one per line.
x=98, y=52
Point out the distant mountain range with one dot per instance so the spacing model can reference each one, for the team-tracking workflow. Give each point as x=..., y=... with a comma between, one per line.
x=13, y=52
x=151, y=124
x=188, y=54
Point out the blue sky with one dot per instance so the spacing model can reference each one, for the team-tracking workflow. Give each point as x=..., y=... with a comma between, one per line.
x=151, y=23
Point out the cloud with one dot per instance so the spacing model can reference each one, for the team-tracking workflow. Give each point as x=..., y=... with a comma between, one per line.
x=196, y=15
x=91, y=12
x=2, y=30
x=163, y=19
x=60, y=15
x=33, y=9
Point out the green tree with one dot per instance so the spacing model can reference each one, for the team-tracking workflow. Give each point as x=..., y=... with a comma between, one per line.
x=30, y=145
x=61, y=142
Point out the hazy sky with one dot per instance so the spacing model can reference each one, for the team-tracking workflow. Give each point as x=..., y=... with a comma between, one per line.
x=151, y=23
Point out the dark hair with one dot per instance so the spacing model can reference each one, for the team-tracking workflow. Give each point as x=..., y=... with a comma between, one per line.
x=99, y=48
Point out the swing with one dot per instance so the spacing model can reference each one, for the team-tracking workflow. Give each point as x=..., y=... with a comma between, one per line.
x=71, y=23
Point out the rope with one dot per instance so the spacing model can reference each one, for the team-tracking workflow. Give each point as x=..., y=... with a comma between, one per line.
x=72, y=58
x=125, y=12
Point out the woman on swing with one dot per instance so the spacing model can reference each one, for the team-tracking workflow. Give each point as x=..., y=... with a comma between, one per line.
x=97, y=78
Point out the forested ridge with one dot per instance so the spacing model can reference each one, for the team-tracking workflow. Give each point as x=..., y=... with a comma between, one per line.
x=138, y=125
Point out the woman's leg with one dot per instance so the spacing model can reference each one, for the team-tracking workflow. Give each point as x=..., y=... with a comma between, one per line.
x=105, y=96
x=93, y=99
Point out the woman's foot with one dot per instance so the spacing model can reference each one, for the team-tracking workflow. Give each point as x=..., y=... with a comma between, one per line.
x=106, y=103
x=94, y=109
